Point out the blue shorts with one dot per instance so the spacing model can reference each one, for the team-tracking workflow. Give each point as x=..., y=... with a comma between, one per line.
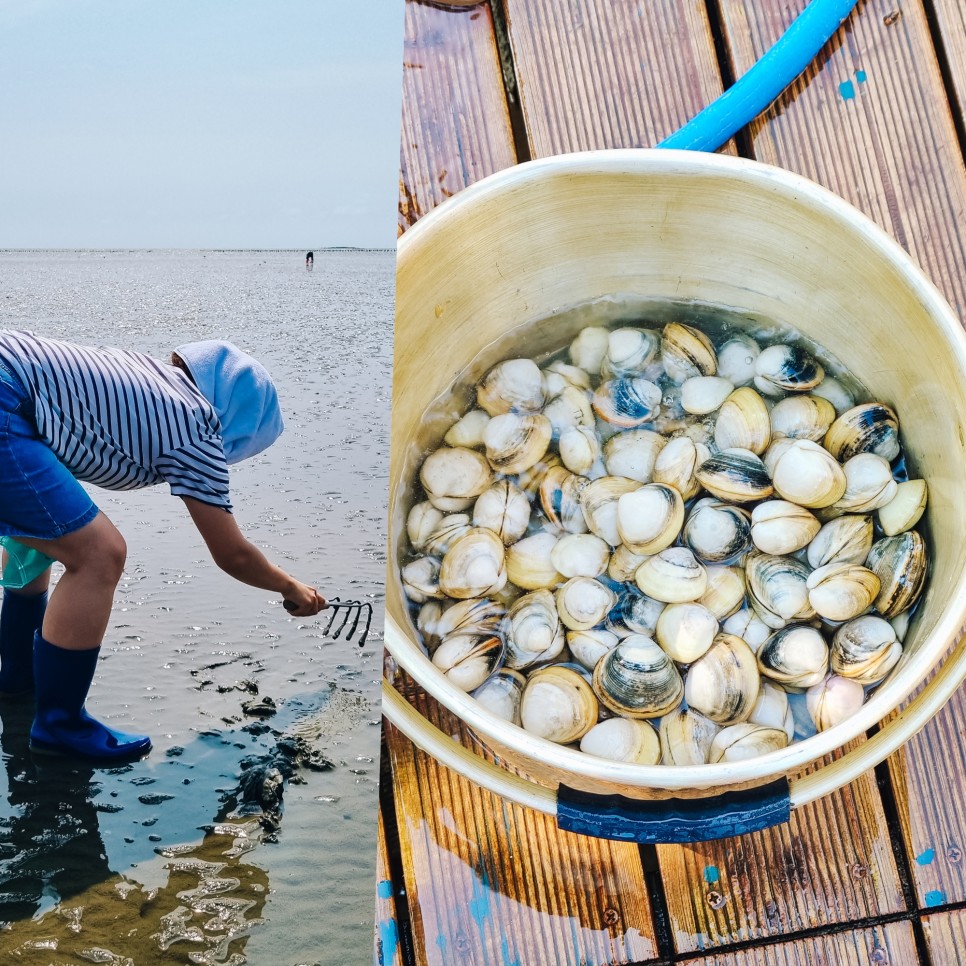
x=39, y=497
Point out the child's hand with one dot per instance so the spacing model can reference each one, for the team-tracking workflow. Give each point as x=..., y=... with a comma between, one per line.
x=301, y=600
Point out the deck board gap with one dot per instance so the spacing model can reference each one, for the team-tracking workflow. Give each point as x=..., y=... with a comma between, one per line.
x=518, y=124
x=946, y=71
x=660, y=914
x=726, y=67
x=397, y=876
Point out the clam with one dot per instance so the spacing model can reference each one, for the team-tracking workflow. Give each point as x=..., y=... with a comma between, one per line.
x=723, y=684
x=476, y=615
x=836, y=393
x=903, y=511
x=583, y=602
x=588, y=349
x=627, y=402
x=468, y=430
x=560, y=492
x=427, y=623
x=512, y=386
x=569, y=409
x=500, y=694
x=839, y=592
x=772, y=709
x=716, y=531
x=868, y=484
x=420, y=579
x=533, y=630
x=865, y=649
x=808, y=475
x=900, y=623
x=846, y=539
x=776, y=448
x=528, y=563
x=474, y=566
x=633, y=454
x=504, y=509
x=637, y=679
x=579, y=450
x=634, y=613
x=833, y=700
x=580, y=555
x=558, y=376
x=777, y=588
x=869, y=428
x=737, y=475
x=558, y=704
x=686, y=352
x=686, y=737
x=701, y=395
x=649, y=519
x=743, y=422
x=530, y=480
x=676, y=465
x=672, y=576
x=686, y=631
x=623, y=739
x=802, y=417
x=724, y=592
x=450, y=529
x=736, y=359
x=468, y=660
x=624, y=563
x=747, y=625
x=900, y=564
x=795, y=657
x=422, y=521
x=746, y=740
x=629, y=352
x=599, y=502
x=515, y=442
x=781, y=368
x=453, y=477
x=588, y=647
x=779, y=527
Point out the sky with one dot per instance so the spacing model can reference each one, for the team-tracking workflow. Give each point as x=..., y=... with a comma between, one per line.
x=199, y=123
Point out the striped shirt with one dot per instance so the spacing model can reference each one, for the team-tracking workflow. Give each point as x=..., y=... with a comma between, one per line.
x=120, y=420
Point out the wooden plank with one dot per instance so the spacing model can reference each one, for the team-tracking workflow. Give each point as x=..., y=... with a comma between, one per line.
x=610, y=73
x=491, y=882
x=455, y=124
x=387, y=948
x=951, y=21
x=831, y=863
x=880, y=945
x=946, y=936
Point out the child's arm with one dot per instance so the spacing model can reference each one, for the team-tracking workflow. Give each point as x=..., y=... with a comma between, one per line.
x=245, y=562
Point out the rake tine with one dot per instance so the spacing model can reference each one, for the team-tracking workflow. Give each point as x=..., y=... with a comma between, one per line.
x=345, y=620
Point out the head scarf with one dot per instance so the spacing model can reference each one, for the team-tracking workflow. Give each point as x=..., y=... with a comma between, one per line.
x=241, y=392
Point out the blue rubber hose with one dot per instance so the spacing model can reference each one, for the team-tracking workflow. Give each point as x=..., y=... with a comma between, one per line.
x=765, y=80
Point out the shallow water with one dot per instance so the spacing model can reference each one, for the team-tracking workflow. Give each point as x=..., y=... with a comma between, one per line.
x=154, y=860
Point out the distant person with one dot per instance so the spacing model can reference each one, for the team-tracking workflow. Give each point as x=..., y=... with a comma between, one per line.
x=120, y=420
x=309, y=259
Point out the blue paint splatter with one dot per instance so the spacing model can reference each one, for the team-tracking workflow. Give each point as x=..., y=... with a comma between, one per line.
x=480, y=903
x=847, y=90
x=860, y=76
x=924, y=858
x=384, y=889
x=389, y=939
x=505, y=946
x=935, y=898
x=711, y=874
x=441, y=942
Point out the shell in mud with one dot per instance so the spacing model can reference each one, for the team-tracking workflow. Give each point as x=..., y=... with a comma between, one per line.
x=474, y=566
x=627, y=402
x=781, y=368
x=715, y=531
x=583, y=602
x=598, y=499
x=736, y=475
x=588, y=647
x=904, y=510
x=649, y=519
x=637, y=679
x=504, y=509
x=501, y=693
x=725, y=590
x=865, y=649
x=869, y=428
x=777, y=588
x=833, y=700
x=580, y=450
x=420, y=579
x=795, y=657
x=743, y=422
x=468, y=660
x=736, y=359
x=629, y=352
x=802, y=417
x=868, y=484
x=676, y=465
x=773, y=710
x=558, y=704
x=839, y=592
x=779, y=527
x=806, y=474
x=742, y=741
x=453, y=477
x=623, y=739
x=845, y=540
x=900, y=564
x=632, y=454
x=686, y=631
x=686, y=352
x=559, y=493
x=580, y=555
x=422, y=521
x=528, y=563
x=468, y=430
x=686, y=737
x=512, y=386
x=569, y=409
x=672, y=576
x=702, y=395
x=515, y=442
x=533, y=630
x=724, y=683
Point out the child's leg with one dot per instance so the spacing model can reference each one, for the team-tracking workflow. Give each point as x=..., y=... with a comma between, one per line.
x=21, y=616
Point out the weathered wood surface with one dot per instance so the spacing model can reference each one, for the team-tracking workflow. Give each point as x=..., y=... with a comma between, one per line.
x=946, y=936
x=455, y=124
x=610, y=73
x=387, y=949
x=951, y=23
x=876, y=946
x=490, y=882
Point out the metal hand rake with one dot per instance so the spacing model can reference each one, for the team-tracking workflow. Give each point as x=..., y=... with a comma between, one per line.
x=347, y=610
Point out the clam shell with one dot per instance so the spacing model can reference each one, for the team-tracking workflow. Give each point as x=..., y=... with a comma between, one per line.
x=633, y=454
x=420, y=579
x=514, y=442
x=802, y=417
x=558, y=376
x=869, y=428
x=476, y=615
x=847, y=539
x=777, y=588
x=747, y=625
x=515, y=385
x=450, y=529
x=736, y=359
x=904, y=510
x=686, y=352
x=474, y=566
x=453, y=477
x=716, y=531
x=528, y=563
x=743, y=422
x=676, y=464
x=795, y=656
x=599, y=502
x=468, y=660
x=533, y=630
x=725, y=590
x=559, y=493
x=772, y=709
x=579, y=449
x=833, y=700
x=588, y=647
x=786, y=367
x=837, y=394
x=649, y=519
x=583, y=602
x=624, y=563
x=569, y=409
x=634, y=613
x=737, y=475
x=627, y=402
x=580, y=555
x=500, y=694
x=468, y=430
x=588, y=349
x=623, y=739
x=558, y=704
x=742, y=741
x=637, y=679
x=686, y=631
x=865, y=649
x=422, y=521
x=672, y=576
x=868, y=484
x=723, y=684
x=629, y=352
x=504, y=509
x=839, y=592
x=701, y=395
x=808, y=475
x=686, y=737
x=530, y=480
x=779, y=527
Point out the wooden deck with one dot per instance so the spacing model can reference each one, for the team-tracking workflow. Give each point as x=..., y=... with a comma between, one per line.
x=874, y=873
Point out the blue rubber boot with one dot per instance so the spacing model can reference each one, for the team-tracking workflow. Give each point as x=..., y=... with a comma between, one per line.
x=20, y=618
x=61, y=724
